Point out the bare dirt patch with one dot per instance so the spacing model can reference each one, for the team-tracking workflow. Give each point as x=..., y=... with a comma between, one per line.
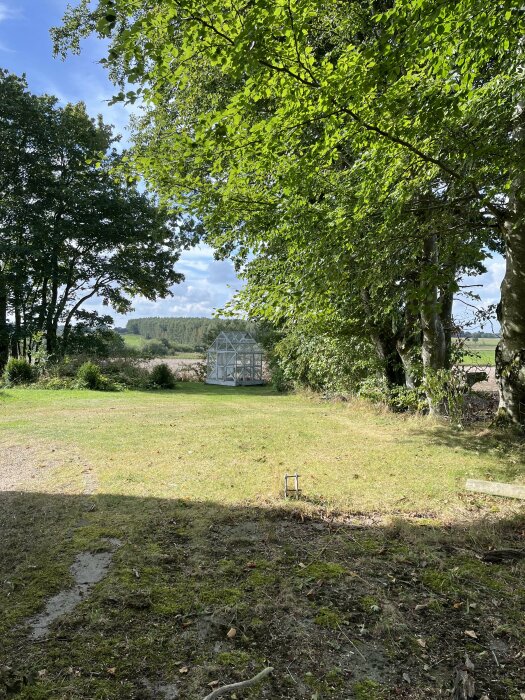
x=27, y=466
x=87, y=570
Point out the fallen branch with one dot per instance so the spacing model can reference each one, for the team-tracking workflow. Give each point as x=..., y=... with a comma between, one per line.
x=238, y=686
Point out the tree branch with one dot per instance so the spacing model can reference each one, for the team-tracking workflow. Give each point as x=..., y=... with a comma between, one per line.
x=239, y=686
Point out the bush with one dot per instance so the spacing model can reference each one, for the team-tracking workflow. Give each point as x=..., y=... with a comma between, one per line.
x=278, y=379
x=89, y=376
x=161, y=376
x=18, y=371
x=127, y=373
x=57, y=383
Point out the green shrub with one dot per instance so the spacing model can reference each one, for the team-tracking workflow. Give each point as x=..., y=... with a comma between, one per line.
x=402, y=399
x=127, y=373
x=18, y=371
x=278, y=379
x=161, y=376
x=89, y=376
x=57, y=383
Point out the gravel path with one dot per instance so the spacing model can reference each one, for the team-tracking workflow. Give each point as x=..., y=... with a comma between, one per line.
x=491, y=384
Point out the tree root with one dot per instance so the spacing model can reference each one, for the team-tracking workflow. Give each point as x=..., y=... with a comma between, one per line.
x=238, y=686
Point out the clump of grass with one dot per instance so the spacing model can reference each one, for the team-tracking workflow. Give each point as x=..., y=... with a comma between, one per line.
x=328, y=617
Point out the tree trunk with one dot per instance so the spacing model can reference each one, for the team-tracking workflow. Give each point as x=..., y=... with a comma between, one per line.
x=385, y=344
x=4, y=329
x=510, y=352
x=433, y=349
x=446, y=301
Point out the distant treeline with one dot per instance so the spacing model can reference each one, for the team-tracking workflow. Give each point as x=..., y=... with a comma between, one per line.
x=479, y=334
x=188, y=333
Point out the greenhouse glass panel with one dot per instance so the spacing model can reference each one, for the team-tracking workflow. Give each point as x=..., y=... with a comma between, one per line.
x=235, y=359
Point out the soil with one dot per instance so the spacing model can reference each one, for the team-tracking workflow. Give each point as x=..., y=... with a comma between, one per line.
x=87, y=570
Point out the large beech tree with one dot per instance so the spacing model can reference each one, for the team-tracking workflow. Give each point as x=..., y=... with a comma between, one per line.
x=71, y=230
x=417, y=91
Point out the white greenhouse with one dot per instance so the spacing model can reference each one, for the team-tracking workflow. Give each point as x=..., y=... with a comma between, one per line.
x=234, y=359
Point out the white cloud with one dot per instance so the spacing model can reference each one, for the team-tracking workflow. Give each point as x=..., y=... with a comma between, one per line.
x=209, y=284
x=8, y=12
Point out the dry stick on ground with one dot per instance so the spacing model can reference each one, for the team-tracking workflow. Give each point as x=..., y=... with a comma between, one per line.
x=238, y=686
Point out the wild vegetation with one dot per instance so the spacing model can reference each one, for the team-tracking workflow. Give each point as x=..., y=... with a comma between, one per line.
x=356, y=161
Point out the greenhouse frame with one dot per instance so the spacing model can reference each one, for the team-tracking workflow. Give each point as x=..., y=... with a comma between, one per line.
x=235, y=359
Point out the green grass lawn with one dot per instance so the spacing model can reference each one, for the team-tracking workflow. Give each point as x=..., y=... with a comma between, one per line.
x=480, y=351
x=133, y=340
x=376, y=572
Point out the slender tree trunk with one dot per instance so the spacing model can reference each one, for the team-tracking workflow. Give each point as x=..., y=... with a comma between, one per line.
x=446, y=301
x=433, y=349
x=4, y=330
x=409, y=347
x=510, y=352
x=50, y=329
x=17, y=334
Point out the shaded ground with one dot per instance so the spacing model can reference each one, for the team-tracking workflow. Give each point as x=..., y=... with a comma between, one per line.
x=342, y=608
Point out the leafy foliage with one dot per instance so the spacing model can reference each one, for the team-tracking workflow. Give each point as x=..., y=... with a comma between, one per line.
x=72, y=229
x=162, y=376
x=89, y=376
x=18, y=371
x=354, y=159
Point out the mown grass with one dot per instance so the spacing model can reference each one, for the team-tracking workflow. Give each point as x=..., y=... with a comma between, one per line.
x=215, y=443
x=377, y=573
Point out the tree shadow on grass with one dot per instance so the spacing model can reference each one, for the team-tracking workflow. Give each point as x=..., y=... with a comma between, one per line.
x=507, y=445
x=199, y=593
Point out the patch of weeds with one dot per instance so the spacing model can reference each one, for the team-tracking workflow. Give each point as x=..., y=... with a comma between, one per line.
x=323, y=571
x=369, y=545
x=236, y=658
x=256, y=623
x=437, y=581
x=325, y=685
x=261, y=579
x=369, y=604
x=170, y=600
x=219, y=596
x=228, y=567
x=367, y=690
x=475, y=570
x=328, y=617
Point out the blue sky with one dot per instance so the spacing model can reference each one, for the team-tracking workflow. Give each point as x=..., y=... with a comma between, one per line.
x=25, y=47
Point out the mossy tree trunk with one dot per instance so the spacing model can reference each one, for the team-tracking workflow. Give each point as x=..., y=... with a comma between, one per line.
x=510, y=352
